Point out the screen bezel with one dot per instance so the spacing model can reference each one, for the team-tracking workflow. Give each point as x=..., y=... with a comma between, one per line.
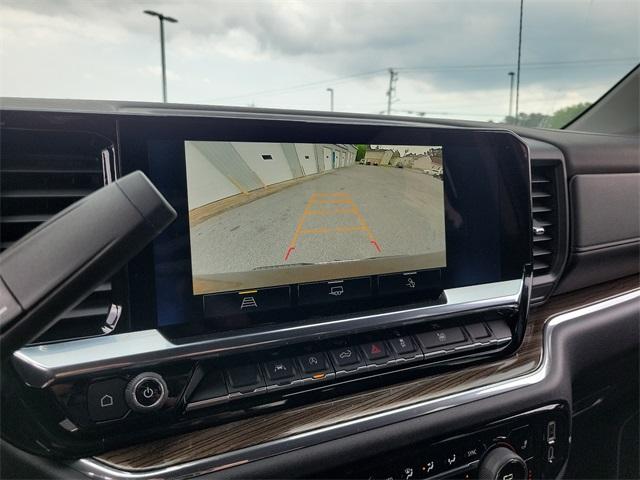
x=468, y=261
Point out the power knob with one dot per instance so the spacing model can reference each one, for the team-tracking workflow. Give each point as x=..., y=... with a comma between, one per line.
x=146, y=392
x=502, y=463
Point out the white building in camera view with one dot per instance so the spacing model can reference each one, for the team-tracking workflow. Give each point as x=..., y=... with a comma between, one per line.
x=216, y=170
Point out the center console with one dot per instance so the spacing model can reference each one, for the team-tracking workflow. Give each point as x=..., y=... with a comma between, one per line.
x=533, y=444
x=309, y=260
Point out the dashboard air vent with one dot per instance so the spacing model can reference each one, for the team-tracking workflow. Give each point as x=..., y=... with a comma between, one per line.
x=549, y=221
x=544, y=210
x=41, y=173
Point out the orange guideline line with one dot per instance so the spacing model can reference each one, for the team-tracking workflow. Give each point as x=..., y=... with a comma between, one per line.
x=329, y=198
x=335, y=200
x=337, y=211
x=333, y=229
x=364, y=223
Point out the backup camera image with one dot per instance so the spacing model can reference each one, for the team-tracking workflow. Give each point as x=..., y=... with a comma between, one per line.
x=266, y=214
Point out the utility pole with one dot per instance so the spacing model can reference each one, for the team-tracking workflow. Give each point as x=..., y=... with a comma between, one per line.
x=519, y=58
x=330, y=90
x=393, y=78
x=511, y=74
x=162, y=19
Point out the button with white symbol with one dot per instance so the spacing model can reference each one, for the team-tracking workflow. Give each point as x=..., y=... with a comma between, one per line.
x=430, y=467
x=403, y=346
x=105, y=400
x=334, y=291
x=437, y=339
x=279, y=369
x=245, y=302
x=313, y=362
x=347, y=359
x=410, y=282
x=522, y=441
x=146, y=392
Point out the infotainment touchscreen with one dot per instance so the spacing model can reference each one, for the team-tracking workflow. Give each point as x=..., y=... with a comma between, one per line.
x=269, y=214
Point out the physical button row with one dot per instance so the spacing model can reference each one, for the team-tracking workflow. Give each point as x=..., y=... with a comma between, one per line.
x=220, y=385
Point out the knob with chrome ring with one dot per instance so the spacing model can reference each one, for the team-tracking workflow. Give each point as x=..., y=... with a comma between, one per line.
x=502, y=463
x=146, y=392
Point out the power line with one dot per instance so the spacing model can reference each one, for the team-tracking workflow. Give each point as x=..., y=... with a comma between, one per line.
x=491, y=66
x=347, y=78
x=303, y=86
x=393, y=78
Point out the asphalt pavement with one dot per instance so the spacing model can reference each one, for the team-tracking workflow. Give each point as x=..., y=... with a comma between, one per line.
x=350, y=213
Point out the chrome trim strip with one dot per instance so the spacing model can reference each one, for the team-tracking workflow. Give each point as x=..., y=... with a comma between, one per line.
x=41, y=365
x=96, y=469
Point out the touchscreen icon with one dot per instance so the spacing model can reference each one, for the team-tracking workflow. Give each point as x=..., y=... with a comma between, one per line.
x=248, y=302
x=336, y=290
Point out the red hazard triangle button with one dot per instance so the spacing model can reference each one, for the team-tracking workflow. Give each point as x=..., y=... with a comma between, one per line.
x=375, y=350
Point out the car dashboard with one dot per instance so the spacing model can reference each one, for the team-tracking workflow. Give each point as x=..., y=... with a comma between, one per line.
x=339, y=296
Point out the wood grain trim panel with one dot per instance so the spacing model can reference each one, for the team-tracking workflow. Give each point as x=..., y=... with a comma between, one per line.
x=219, y=439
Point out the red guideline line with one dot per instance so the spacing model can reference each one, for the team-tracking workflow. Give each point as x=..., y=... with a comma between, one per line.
x=375, y=244
x=289, y=250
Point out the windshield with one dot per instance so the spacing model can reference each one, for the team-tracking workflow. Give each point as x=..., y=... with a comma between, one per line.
x=443, y=59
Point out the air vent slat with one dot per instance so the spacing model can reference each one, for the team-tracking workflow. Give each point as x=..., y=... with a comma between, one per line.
x=42, y=173
x=540, y=209
x=539, y=266
x=541, y=238
x=539, y=195
x=538, y=252
x=538, y=179
x=541, y=223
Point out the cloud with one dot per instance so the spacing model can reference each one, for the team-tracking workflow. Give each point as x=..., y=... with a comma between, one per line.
x=453, y=54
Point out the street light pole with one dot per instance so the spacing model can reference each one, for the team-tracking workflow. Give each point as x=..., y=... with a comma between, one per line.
x=162, y=18
x=519, y=58
x=330, y=90
x=511, y=74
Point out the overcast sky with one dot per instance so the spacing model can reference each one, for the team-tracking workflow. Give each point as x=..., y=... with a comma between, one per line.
x=452, y=57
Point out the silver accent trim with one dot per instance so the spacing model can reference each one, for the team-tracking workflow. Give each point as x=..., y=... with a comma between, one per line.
x=42, y=365
x=111, y=322
x=96, y=469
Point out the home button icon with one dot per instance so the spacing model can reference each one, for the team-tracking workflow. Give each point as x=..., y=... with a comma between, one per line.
x=105, y=400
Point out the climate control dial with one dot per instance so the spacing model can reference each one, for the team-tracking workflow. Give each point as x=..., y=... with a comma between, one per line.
x=502, y=463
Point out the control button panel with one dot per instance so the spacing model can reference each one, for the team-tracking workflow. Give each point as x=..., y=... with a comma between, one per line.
x=334, y=291
x=495, y=451
x=300, y=368
x=246, y=302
